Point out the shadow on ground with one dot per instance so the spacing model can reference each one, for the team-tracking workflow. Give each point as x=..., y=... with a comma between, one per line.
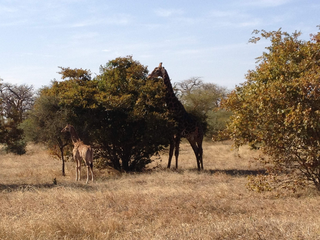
x=24, y=187
x=230, y=172
x=239, y=172
x=36, y=187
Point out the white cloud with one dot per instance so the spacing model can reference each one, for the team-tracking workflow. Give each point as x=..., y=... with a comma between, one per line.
x=113, y=20
x=252, y=23
x=13, y=23
x=224, y=14
x=4, y=9
x=161, y=12
x=265, y=3
x=232, y=18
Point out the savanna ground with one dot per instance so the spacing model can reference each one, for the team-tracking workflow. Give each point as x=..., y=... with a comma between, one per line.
x=158, y=204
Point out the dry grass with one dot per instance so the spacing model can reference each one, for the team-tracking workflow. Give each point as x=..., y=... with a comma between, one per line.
x=160, y=204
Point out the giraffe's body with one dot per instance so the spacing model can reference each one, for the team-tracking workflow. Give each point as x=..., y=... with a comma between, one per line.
x=80, y=151
x=187, y=126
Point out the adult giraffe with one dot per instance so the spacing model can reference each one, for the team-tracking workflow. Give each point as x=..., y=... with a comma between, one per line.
x=80, y=151
x=187, y=126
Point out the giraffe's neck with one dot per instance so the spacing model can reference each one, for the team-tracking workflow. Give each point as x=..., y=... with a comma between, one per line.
x=74, y=136
x=167, y=81
x=173, y=103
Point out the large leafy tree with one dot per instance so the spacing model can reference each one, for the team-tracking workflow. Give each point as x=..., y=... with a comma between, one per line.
x=278, y=107
x=135, y=123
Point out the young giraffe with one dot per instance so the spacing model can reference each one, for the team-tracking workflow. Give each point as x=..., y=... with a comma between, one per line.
x=187, y=126
x=80, y=151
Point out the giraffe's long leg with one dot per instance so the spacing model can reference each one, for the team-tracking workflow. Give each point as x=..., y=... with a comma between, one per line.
x=79, y=168
x=196, y=151
x=89, y=163
x=77, y=164
x=200, y=153
x=177, y=146
x=200, y=149
x=170, y=152
x=87, y=173
x=76, y=171
x=91, y=169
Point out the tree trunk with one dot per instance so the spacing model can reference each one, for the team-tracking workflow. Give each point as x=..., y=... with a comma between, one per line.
x=125, y=158
x=63, y=163
x=317, y=184
x=115, y=158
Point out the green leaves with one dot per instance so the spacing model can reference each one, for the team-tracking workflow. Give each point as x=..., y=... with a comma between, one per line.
x=137, y=123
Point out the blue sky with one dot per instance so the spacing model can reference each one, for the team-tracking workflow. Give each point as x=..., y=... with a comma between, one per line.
x=207, y=39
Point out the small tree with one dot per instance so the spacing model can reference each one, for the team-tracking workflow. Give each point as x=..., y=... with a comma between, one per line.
x=17, y=100
x=44, y=124
x=203, y=100
x=278, y=107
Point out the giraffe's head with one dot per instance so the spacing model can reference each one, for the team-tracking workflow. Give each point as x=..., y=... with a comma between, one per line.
x=67, y=128
x=157, y=72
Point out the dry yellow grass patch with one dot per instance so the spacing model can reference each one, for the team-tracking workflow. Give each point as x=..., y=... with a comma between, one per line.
x=161, y=204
